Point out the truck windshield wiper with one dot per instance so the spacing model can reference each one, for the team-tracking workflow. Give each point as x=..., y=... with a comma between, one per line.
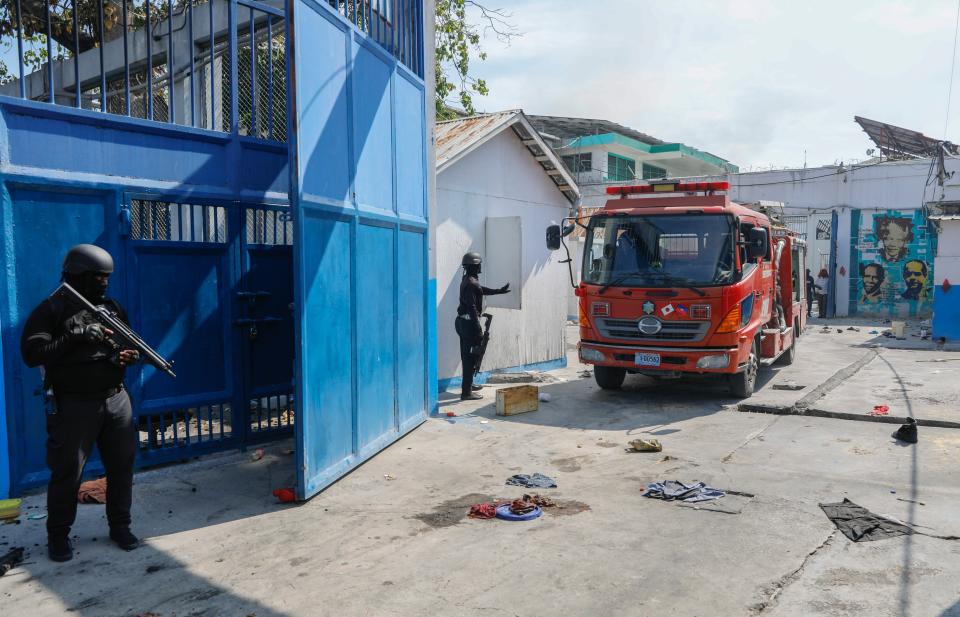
x=618, y=280
x=682, y=282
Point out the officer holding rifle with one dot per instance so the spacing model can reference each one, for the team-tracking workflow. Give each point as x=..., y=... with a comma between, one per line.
x=83, y=369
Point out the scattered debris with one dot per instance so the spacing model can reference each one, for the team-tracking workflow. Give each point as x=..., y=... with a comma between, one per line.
x=852, y=329
x=506, y=512
x=517, y=399
x=879, y=410
x=667, y=459
x=37, y=516
x=11, y=559
x=155, y=568
x=919, y=503
x=861, y=525
x=907, y=432
x=539, y=500
x=10, y=509
x=586, y=373
x=288, y=451
x=484, y=421
x=257, y=454
x=450, y=414
x=646, y=445
x=483, y=511
x=790, y=385
x=874, y=332
x=521, y=378
x=94, y=491
x=672, y=490
x=285, y=495
x=537, y=480
x=544, y=397
x=388, y=477
x=839, y=330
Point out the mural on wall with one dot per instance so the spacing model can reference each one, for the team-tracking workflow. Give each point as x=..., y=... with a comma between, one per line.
x=894, y=251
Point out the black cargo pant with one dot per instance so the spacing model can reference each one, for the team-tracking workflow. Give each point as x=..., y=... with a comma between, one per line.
x=71, y=432
x=469, y=341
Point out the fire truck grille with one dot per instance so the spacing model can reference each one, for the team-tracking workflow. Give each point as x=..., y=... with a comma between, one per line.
x=670, y=331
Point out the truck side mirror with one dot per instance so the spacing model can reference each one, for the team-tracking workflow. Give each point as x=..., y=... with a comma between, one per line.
x=758, y=243
x=553, y=237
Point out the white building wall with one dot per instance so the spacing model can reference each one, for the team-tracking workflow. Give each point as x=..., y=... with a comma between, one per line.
x=501, y=179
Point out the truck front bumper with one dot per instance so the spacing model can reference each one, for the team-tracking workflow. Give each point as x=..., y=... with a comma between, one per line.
x=656, y=360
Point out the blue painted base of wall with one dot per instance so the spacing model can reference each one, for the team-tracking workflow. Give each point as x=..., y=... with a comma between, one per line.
x=946, y=313
x=548, y=365
x=432, y=347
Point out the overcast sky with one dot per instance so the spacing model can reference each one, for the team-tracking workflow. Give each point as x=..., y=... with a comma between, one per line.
x=754, y=81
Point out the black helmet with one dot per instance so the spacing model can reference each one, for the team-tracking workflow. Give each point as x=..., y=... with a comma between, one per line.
x=471, y=259
x=87, y=258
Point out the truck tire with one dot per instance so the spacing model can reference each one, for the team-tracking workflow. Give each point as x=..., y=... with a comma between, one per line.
x=743, y=383
x=609, y=377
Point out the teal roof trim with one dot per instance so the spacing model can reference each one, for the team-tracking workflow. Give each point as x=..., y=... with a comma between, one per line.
x=606, y=139
x=706, y=157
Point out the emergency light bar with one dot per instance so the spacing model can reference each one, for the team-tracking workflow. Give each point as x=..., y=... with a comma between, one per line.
x=668, y=187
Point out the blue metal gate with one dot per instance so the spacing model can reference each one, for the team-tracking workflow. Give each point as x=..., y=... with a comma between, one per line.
x=358, y=178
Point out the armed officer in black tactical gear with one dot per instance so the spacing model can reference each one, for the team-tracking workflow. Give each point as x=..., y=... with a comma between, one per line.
x=468, y=320
x=83, y=371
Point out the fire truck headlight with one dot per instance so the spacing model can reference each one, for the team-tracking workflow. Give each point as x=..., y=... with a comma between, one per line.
x=720, y=361
x=591, y=355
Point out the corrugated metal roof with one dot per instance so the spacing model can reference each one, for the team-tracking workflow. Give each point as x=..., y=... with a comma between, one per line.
x=457, y=138
x=564, y=127
x=898, y=142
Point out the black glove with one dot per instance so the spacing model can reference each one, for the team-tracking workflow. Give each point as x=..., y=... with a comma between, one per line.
x=90, y=333
x=505, y=289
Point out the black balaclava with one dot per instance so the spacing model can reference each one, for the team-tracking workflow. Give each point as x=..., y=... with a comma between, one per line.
x=472, y=270
x=87, y=284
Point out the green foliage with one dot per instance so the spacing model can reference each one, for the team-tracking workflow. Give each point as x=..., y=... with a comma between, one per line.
x=456, y=40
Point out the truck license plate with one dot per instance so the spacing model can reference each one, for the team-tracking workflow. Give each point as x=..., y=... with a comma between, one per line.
x=647, y=359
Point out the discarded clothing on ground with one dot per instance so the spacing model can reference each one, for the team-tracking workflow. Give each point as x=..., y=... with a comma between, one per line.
x=483, y=510
x=538, y=500
x=862, y=525
x=94, y=491
x=537, y=480
x=672, y=490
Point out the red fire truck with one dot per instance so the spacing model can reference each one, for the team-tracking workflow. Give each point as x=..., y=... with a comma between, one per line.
x=678, y=280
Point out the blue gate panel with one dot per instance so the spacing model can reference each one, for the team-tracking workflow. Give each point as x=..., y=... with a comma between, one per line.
x=325, y=419
x=376, y=320
x=323, y=129
x=411, y=388
x=372, y=128
x=411, y=146
x=183, y=313
x=270, y=272
x=43, y=225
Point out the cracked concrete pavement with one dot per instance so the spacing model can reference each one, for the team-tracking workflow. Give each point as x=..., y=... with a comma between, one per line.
x=218, y=544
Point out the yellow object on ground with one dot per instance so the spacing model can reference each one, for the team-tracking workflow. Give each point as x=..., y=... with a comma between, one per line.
x=646, y=445
x=9, y=508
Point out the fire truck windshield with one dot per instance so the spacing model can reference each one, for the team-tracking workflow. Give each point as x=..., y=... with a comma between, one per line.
x=669, y=250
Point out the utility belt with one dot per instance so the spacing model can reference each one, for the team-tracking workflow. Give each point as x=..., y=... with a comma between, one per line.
x=96, y=395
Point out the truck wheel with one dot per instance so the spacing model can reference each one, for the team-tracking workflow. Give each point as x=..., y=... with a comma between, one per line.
x=609, y=377
x=743, y=383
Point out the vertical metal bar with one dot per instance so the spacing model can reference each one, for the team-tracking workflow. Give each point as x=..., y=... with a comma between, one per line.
x=103, y=70
x=356, y=19
x=180, y=221
x=76, y=55
x=126, y=62
x=368, y=23
x=220, y=415
x=49, y=54
x=253, y=75
x=270, y=92
x=186, y=412
x=23, y=85
x=213, y=97
x=234, y=99
x=150, y=440
x=204, y=210
x=149, y=31
x=402, y=25
x=193, y=69
x=171, y=103
x=163, y=430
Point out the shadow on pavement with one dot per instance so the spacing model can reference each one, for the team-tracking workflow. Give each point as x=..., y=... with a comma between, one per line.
x=103, y=580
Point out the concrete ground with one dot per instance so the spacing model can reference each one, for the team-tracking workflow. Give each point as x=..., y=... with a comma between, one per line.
x=392, y=538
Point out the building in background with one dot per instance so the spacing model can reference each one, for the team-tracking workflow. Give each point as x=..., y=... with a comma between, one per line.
x=499, y=186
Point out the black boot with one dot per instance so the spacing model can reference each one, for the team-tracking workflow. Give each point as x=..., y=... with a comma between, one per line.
x=907, y=432
x=59, y=548
x=124, y=539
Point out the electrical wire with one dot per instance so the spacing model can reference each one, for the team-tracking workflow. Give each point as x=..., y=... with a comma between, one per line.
x=953, y=64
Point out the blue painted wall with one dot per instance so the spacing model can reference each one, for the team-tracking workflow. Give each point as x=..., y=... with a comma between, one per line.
x=946, y=312
x=361, y=246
